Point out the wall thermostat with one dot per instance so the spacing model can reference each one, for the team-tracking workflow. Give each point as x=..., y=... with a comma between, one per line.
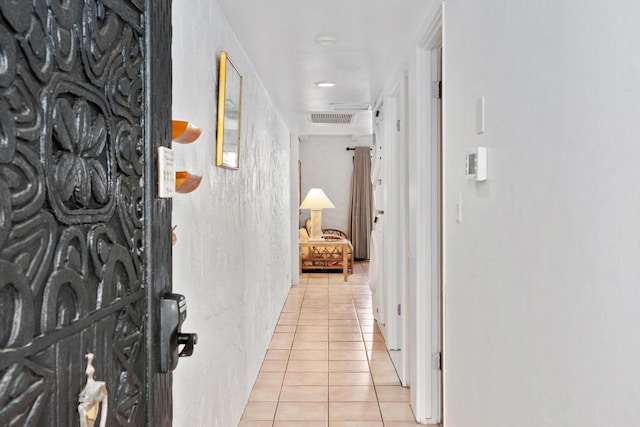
x=476, y=164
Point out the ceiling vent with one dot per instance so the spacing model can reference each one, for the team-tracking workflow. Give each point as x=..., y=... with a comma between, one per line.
x=330, y=118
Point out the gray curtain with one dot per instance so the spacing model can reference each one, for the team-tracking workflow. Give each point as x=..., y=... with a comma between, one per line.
x=361, y=204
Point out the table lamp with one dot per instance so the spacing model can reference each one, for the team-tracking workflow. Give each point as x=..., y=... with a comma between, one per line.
x=316, y=200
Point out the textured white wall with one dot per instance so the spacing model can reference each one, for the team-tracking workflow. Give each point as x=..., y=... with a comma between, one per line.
x=233, y=255
x=327, y=164
x=542, y=289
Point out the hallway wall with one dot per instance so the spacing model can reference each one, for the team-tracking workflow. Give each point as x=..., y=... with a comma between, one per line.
x=327, y=164
x=542, y=289
x=232, y=259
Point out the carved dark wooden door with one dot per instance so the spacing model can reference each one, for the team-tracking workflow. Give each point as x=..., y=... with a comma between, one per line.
x=85, y=252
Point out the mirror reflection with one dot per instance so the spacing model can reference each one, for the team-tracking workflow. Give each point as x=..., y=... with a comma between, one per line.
x=229, y=114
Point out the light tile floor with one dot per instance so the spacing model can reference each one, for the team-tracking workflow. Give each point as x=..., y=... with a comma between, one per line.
x=327, y=365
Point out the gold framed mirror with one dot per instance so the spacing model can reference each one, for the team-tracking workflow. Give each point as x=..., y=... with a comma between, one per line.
x=229, y=113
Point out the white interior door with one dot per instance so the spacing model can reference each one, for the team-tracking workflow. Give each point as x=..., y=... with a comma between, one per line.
x=396, y=241
x=390, y=239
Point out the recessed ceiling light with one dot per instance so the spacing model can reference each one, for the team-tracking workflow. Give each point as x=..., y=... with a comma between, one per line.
x=326, y=39
x=325, y=84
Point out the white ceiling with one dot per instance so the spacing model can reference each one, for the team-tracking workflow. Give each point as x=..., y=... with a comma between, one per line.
x=279, y=37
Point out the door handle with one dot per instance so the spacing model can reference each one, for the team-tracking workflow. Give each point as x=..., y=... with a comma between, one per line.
x=188, y=340
x=173, y=312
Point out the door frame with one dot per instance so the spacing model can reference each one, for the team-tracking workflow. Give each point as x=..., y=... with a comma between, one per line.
x=157, y=239
x=426, y=184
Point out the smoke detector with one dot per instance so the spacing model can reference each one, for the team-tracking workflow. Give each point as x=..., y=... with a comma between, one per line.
x=326, y=39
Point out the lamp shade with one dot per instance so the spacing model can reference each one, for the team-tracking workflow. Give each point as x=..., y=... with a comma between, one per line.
x=316, y=199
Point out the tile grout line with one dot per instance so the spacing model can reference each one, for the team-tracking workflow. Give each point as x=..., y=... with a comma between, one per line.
x=286, y=368
x=369, y=356
x=319, y=301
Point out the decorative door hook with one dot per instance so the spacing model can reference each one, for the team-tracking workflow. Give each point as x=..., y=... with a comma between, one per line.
x=93, y=398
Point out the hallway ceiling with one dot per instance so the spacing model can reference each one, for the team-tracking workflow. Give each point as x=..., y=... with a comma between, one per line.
x=280, y=37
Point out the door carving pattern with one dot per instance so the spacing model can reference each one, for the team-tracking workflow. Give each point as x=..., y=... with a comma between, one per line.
x=71, y=208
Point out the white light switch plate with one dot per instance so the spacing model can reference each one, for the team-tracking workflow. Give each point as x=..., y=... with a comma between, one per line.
x=166, y=173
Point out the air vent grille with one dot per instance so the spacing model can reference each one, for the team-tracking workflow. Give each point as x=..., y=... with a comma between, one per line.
x=331, y=118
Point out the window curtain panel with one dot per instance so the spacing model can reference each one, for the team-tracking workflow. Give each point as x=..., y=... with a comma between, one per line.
x=361, y=204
